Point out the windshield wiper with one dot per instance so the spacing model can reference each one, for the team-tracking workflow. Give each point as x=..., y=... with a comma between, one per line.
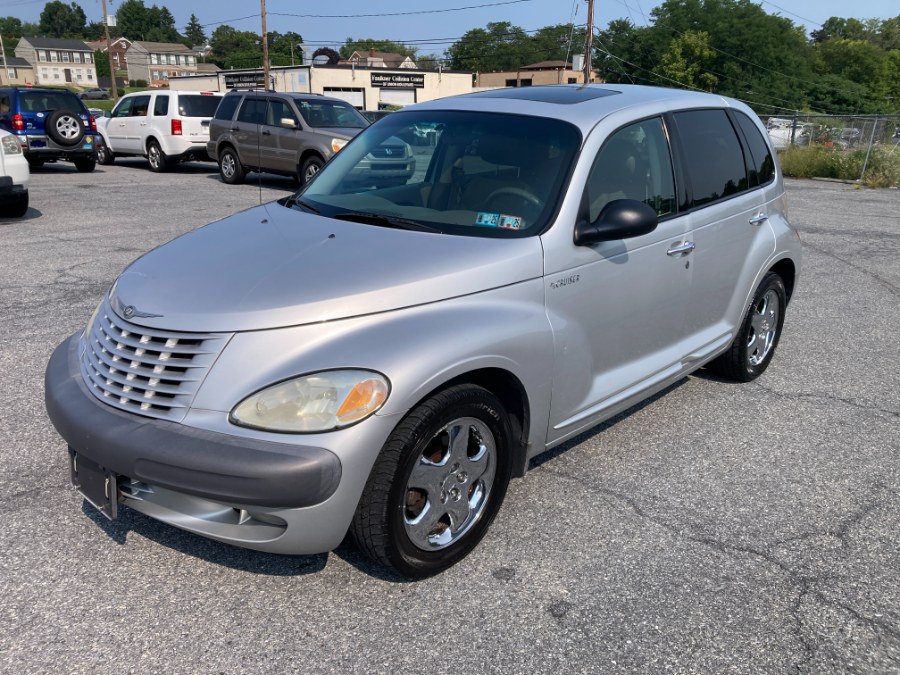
x=302, y=203
x=383, y=220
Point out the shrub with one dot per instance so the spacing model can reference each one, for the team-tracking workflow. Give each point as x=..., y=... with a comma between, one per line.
x=883, y=169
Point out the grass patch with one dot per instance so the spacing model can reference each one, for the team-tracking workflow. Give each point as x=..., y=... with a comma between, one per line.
x=883, y=169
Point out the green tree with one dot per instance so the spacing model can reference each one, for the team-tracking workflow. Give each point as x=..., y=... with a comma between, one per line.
x=10, y=27
x=101, y=62
x=136, y=21
x=364, y=45
x=838, y=28
x=283, y=48
x=60, y=20
x=687, y=60
x=557, y=43
x=233, y=48
x=194, y=32
x=499, y=46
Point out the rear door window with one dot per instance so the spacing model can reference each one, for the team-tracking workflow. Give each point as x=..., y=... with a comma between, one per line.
x=713, y=157
x=161, y=105
x=226, y=107
x=253, y=111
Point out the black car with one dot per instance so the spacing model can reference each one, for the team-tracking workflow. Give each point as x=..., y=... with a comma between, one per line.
x=51, y=124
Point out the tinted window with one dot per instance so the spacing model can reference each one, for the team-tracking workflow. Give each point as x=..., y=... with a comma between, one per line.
x=39, y=101
x=226, y=107
x=197, y=106
x=712, y=155
x=331, y=114
x=279, y=110
x=762, y=164
x=253, y=111
x=140, y=106
x=161, y=105
x=634, y=163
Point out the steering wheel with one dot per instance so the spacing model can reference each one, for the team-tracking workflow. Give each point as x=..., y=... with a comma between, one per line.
x=516, y=192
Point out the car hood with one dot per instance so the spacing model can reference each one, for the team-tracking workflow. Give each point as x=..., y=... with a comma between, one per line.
x=272, y=266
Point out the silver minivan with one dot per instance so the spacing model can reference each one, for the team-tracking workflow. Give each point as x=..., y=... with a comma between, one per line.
x=383, y=360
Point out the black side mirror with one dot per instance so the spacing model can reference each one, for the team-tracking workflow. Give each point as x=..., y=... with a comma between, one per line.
x=619, y=219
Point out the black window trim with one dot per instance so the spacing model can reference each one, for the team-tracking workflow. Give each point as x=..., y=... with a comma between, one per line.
x=732, y=114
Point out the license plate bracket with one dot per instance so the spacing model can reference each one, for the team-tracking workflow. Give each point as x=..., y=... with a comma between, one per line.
x=99, y=486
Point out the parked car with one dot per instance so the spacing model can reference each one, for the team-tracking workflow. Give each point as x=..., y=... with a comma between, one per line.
x=166, y=127
x=282, y=133
x=383, y=361
x=783, y=135
x=848, y=137
x=51, y=124
x=375, y=115
x=97, y=93
x=14, y=177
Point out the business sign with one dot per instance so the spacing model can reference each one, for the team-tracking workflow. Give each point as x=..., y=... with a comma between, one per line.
x=244, y=80
x=398, y=80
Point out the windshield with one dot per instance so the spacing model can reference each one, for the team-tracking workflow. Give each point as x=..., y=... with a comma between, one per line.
x=468, y=173
x=331, y=114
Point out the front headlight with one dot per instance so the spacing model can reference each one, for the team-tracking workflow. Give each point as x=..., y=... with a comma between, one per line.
x=337, y=144
x=11, y=145
x=323, y=401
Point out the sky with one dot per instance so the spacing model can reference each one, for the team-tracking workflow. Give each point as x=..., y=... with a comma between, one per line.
x=428, y=25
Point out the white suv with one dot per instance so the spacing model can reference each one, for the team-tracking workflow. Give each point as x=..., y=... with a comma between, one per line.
x=166, y=127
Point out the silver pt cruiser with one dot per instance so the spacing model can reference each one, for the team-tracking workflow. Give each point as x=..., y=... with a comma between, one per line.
x=383, y=360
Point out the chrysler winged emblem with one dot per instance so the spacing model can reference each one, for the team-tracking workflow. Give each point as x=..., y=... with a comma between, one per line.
x=130, y=311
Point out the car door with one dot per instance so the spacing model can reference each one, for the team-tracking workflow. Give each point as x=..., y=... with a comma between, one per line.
x=277, y=143
x=246, y=129
x=116, y=128
x=135, y=125
x=617, y=307
x=728, y=228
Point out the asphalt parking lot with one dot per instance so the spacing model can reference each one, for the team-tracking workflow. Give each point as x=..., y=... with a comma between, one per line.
x=721, y=527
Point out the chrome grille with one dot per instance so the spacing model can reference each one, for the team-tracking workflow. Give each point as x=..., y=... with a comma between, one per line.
x=146, y=371
x=389, y=151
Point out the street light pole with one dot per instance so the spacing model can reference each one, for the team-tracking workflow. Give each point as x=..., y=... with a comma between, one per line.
x=265, y=45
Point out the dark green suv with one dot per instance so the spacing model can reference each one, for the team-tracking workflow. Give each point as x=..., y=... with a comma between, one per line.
x=51, y=124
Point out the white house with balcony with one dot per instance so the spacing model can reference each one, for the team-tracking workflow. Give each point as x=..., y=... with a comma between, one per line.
x=158, y=62
x=60, y=62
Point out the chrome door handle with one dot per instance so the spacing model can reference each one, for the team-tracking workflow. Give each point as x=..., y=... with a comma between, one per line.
x=683, y=248
x=759, y=218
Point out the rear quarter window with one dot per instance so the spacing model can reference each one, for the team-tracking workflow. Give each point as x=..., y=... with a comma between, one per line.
x=713, y=158
x=226, y=107
x=161, y=105
x=762, y=165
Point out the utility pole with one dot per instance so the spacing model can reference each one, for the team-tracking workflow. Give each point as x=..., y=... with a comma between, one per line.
x=265, y=45
x=590, y=43
x=112, y=71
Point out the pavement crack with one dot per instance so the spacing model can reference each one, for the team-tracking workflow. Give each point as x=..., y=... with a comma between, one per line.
x=795, y=396
x=891, y=288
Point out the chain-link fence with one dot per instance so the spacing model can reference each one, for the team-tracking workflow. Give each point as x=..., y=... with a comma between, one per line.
x=857, y=134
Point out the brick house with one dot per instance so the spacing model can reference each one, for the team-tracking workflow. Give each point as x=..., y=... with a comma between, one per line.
x=118, y=47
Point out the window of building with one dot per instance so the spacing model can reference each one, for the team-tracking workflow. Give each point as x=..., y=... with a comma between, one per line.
x=43, y=55
x=13, y=74
x=154, y=59
x=573, y=80
x=512, y=83
x=76, y=57
x=88, y=58
x=54, y=56
x=90, y=74
x=66, y=56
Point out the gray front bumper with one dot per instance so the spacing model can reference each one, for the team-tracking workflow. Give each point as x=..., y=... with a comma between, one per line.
x=192, y=461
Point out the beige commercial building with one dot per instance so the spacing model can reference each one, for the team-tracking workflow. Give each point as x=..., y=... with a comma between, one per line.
x=364, y=88
x=545, y=72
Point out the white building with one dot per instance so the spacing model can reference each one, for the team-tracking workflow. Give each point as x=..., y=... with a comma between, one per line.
x=59, y=62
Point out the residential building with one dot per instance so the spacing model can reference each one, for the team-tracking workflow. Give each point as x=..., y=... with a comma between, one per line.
x=373, y=59
x=18, y=72
x=59, y=61
x=545, y=72
x=158, y=62
x=118, y=48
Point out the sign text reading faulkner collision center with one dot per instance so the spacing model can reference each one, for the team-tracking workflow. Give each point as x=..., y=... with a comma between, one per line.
x=398, y=80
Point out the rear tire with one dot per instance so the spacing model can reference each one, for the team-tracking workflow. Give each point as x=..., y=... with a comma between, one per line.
x=754, y=345
x=159, y=162
x=15, y=207
x=230, y=167
x=35, y=162
x=437, y=484
x=84, y=165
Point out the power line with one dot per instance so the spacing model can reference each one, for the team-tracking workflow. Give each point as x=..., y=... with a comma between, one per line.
x=380, y=14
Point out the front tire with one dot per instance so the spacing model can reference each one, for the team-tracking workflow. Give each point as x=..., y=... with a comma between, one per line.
x=310, y=168
x=105, y=156
x=754, y=346
x=437, y=484
x=230, y=167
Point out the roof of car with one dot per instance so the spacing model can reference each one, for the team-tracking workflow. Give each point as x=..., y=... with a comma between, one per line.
x=577, y=103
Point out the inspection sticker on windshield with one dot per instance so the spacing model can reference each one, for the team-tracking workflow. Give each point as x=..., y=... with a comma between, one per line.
x=499, y=220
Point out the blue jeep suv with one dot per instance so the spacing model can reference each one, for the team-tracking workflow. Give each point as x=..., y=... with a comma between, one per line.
x=51, y=124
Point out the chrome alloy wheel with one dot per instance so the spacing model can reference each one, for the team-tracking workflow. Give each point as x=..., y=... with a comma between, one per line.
x=68, y=127
x=154, y=156
x=763, y=328
x=450, y=484
x=311, y=170
x=228, y=165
